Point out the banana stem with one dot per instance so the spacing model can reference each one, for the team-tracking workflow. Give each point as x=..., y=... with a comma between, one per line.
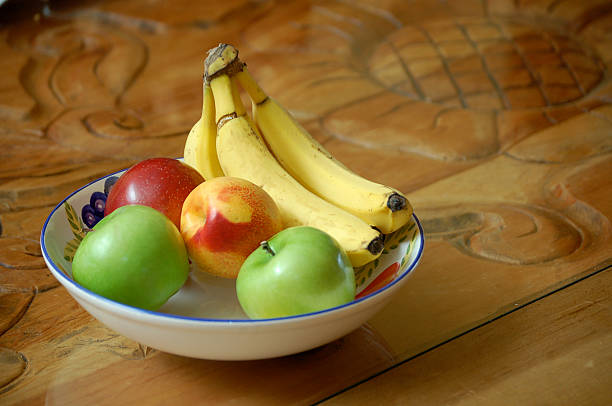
x=218, y=59
x=208, y=104
x=227, y=98
x=223, y=60
x=249, y=84
x=239, y=106
x=228, y=103
x=224, y=102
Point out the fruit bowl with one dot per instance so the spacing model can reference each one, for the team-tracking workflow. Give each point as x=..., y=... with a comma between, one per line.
x=204, y=319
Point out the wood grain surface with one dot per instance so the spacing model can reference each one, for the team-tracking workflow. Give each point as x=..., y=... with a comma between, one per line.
x=554, y=351
x=494, y=117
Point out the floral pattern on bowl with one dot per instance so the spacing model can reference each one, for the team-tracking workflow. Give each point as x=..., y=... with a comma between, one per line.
x=91, y=214
x=373, y=273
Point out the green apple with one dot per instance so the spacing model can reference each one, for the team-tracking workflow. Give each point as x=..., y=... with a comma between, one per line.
x=299, y=270
x=135, y=256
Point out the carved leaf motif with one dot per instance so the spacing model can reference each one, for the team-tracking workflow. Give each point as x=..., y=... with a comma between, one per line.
x=13, y=306
x=512, y=233
x=21, y=254
x=12, y=365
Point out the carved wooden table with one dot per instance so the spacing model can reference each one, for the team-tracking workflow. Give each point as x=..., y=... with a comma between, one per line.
x=495, y=117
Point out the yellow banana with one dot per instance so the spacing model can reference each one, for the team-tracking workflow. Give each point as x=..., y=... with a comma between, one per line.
x=243, y=153
x=200, y=148
x=314, y=167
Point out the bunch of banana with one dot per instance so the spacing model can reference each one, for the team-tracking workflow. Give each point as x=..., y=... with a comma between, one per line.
x=308, y=184
x=314, y=167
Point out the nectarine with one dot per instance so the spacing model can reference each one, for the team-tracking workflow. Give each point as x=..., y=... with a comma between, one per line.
x=223, y=220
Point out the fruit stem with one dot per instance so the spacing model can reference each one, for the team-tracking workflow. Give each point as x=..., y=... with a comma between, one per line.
x=257, y=95
x=221, y=60
x=225, y=102
x=264, y=244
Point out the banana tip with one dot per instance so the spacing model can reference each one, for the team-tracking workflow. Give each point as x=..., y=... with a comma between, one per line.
x=377, y=245
x=396, y=202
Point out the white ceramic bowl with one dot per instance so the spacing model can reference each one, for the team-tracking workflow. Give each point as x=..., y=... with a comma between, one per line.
x=204, y=319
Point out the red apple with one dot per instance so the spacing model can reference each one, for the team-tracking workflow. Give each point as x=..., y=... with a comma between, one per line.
x=160, y=183
x=223, y=220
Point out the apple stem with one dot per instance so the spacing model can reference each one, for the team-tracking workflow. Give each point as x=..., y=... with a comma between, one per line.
x=267, y=248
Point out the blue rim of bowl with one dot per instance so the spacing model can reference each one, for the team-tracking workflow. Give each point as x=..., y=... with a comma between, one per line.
x=170, y=316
